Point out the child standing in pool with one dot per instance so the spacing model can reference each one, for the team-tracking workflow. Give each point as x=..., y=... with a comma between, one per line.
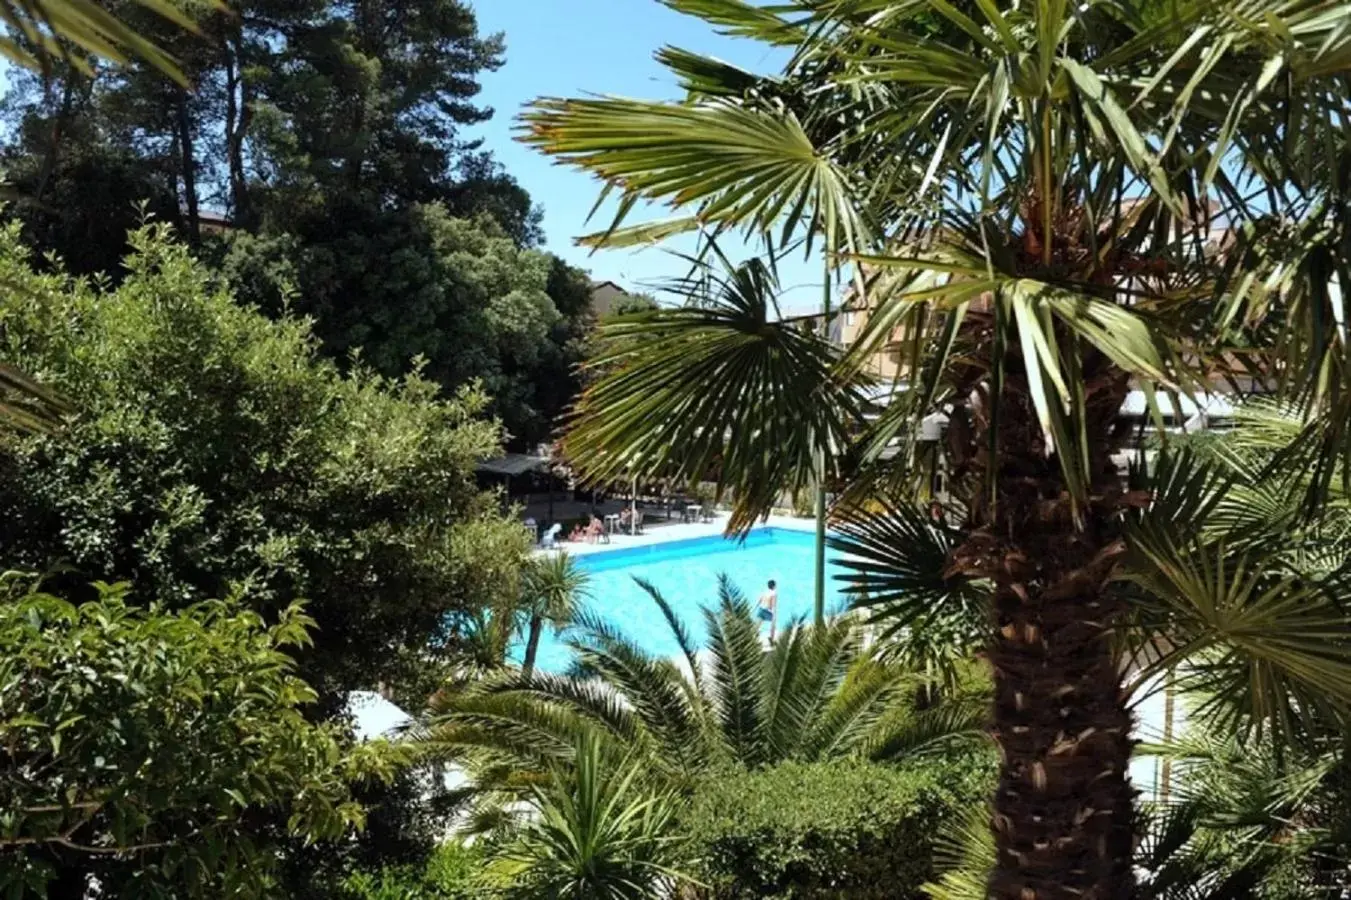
x=769, y=607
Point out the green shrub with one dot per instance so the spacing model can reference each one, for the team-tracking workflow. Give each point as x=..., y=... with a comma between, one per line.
x=455, y=871
x=213, y=448
x=134, y=742
x=849, y=829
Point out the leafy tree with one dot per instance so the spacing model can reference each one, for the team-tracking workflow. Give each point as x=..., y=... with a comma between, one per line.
x=212, y=450
x=596, y=831
x=816, y=695
x=551, y=588
x=292, y=105
x=328, y=133
x=1049, y=250
x=458, y=293
x=36, y=30
x=139, y=744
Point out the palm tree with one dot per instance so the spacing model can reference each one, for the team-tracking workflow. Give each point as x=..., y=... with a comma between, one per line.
x=1030, y=190
x=595, y=832
x=551, y=586
x=1237, y=597
x=815, y=695
x=1247, y=818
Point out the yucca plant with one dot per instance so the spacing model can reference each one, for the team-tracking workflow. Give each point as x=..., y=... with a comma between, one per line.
x=815, y=695
x=1034, y=192
x=595, y=830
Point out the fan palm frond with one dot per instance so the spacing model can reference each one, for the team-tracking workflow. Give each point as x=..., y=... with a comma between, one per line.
x=725, y=163
x=38, y=28
x=692, y=391
x=1270, y=643
x=896, y=571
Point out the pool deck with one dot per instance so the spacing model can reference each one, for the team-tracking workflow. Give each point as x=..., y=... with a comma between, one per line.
x=680, y=532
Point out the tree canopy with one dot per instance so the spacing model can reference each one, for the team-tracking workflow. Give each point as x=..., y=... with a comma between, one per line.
x=327, y=139
x=214, y=450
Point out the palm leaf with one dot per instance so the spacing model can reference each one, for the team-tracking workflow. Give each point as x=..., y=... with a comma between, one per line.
x=654, y=688
x=90, y=27
x=960, y=720
x=804, y=670
x=849, y=720
x=736, y=671
x=729, y=164
x=699, y=393
x=1271, y=643
x=741, y=19
x=895, y=561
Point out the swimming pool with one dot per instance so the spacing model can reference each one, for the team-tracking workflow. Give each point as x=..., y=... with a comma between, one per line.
x=686, y=572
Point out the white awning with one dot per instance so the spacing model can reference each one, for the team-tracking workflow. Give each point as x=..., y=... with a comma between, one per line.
x=512, y=464
x=373, y=716
x=1211, y=405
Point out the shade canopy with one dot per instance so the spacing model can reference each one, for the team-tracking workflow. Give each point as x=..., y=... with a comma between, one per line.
x=512, y=464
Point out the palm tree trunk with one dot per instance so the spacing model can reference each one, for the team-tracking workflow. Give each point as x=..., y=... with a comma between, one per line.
x=1063, y=815
x=532, y=645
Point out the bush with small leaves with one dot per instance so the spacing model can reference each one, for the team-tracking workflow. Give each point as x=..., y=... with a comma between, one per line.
x=138, y=745
x=838, y=829
x=213, y=449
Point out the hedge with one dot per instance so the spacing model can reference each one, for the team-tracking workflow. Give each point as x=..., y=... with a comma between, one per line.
x=829, y=830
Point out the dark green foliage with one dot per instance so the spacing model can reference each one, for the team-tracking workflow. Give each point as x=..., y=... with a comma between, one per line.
x=840, y=829
x=329, y=135
x=295, y=104
x=213, y=449
x=454, y=871
x=459, y=293
x=139, y=745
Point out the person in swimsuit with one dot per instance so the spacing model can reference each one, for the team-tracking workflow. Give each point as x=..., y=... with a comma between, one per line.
x=769, y=607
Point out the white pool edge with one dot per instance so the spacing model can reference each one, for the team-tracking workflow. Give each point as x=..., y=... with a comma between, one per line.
x=667, y=534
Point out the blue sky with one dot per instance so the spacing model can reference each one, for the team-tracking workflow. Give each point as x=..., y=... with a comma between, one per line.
x=570, y=48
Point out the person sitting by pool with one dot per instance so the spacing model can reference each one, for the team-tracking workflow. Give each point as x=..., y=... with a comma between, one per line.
x=769, y=607
x=594, y=530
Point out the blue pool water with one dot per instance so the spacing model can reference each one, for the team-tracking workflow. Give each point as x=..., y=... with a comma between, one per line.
x=686, y=572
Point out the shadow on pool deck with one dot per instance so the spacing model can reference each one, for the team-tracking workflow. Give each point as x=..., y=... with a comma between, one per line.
x=657, y=529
